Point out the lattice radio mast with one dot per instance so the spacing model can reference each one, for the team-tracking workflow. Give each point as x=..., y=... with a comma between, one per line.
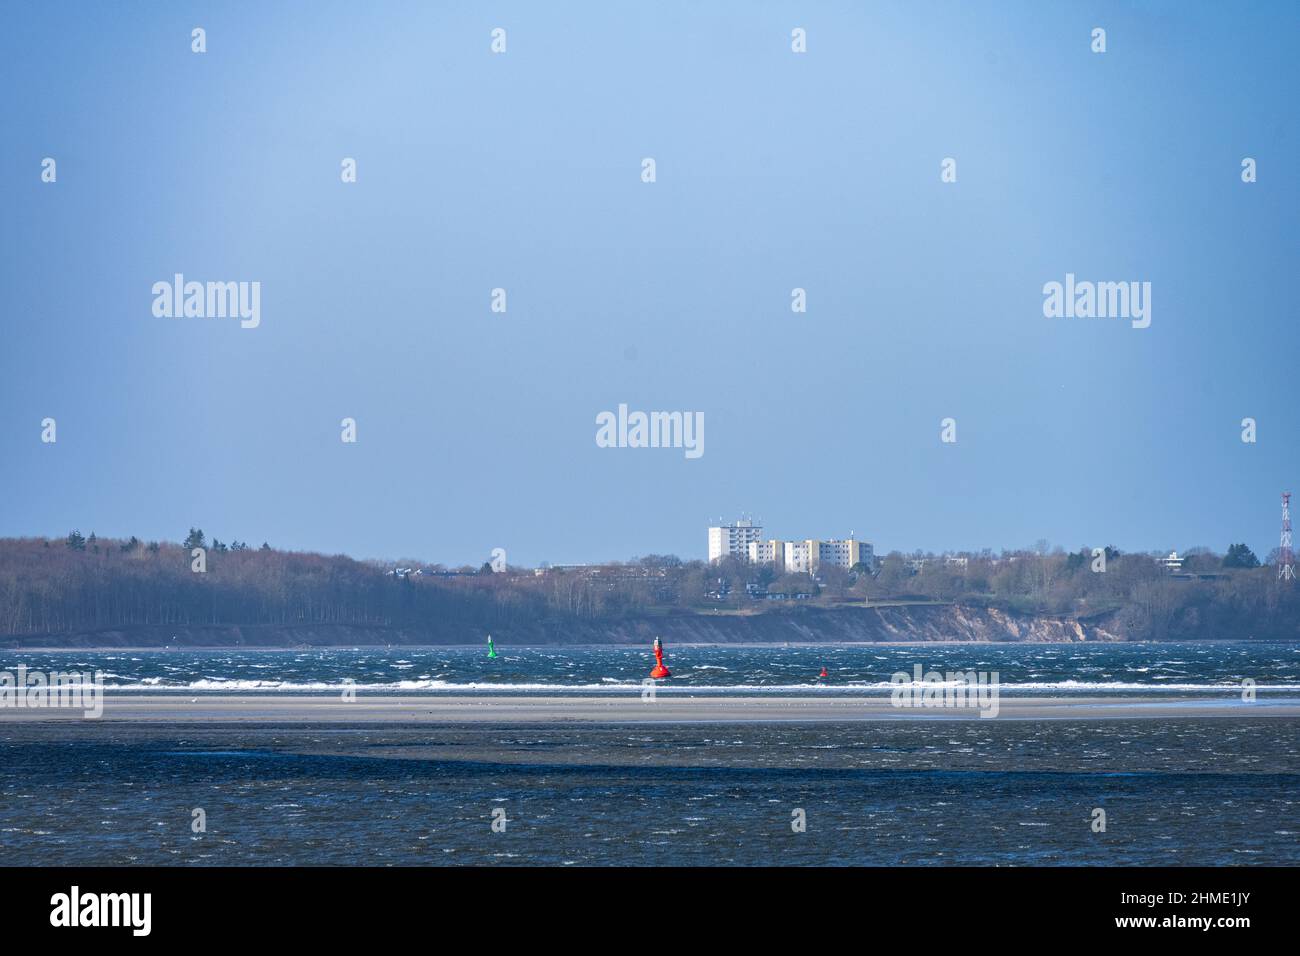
x=1285, y=560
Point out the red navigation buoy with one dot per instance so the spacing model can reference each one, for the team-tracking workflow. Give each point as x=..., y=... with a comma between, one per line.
x=823, y=673
x=660, y=670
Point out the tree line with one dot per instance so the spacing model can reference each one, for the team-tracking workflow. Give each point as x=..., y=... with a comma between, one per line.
x=85, y=583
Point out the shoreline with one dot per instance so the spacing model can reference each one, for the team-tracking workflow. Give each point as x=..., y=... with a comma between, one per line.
x=462, y=709
x=477, y=645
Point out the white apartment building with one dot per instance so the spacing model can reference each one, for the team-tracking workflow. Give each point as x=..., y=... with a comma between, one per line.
x=801, y=556
x=844, y=553
x=767, y=552
x=733, y=539
x=805, y=557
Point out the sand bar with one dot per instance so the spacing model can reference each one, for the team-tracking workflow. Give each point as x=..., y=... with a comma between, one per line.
x=483, y=708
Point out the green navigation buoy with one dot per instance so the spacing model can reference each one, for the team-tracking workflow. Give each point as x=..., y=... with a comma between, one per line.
x=492, y=651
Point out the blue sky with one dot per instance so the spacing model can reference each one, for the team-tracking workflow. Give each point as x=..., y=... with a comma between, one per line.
x=775, y=170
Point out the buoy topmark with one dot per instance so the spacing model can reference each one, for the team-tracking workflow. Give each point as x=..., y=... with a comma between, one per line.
x=660, y=671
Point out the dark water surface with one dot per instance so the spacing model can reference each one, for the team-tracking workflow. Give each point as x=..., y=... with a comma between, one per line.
x=1038, y=669
x=1206, y=791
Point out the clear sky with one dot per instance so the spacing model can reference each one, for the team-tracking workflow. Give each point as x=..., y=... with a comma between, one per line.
x=775, y=170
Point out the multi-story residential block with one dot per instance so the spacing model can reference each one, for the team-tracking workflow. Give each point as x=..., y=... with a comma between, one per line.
x=845, y=553
x=801, y=557
x=733, y=539
x=744, y=539
x=767, y=552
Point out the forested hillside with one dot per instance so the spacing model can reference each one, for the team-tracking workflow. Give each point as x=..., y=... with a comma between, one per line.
x=82, y=585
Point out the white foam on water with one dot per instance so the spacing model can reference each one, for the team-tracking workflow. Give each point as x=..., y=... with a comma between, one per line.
x=615, y=684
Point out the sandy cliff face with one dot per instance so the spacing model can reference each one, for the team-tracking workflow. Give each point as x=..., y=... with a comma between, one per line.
x=795, y=625
x=916, y=623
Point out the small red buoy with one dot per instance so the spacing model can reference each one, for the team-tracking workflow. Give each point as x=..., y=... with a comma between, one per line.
x=660, y=671
x=823, y=673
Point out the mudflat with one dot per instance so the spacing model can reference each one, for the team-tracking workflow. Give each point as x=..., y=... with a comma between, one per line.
x=630, y=708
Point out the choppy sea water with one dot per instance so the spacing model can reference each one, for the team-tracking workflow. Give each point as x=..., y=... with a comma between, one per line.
x=1039, y=669
x=1222, y=792
x=1175, y=790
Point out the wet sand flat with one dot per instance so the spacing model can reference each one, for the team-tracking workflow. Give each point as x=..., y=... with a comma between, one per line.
x=281, y=709
x=413, y=779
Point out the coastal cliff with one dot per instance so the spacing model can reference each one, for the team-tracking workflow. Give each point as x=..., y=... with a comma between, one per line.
x=793, y=625
x=90, y=592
